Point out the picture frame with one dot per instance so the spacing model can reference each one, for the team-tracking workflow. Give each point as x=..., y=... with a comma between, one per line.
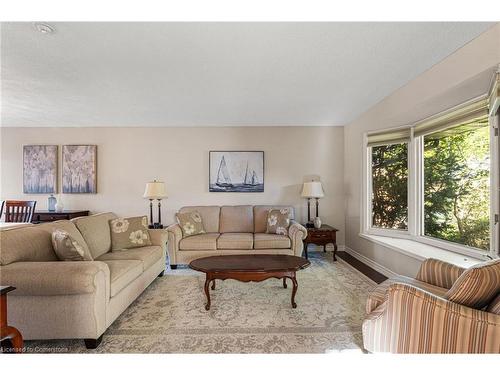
x=236, y=171
x=40, y=167
x=79, y=169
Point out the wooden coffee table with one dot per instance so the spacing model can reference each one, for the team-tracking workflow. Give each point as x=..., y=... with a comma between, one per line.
x=247, y=268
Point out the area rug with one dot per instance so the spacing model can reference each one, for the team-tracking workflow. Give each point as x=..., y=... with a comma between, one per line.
x=169, y=317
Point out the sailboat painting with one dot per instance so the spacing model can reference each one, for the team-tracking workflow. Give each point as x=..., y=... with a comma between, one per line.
x=236, y=171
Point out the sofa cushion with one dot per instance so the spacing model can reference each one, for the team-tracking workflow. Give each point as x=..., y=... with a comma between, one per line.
x=26, y=244
x=149, y=255
x=209, y=216
x=477, y=286
x=240, y=241
x=236, y=219
x=260, y=216
x=122, y=273
x=377, y=296
x=271, y=241
x=494, y=306
x=95, y=231
x=278, y=221
x=129, y=232
x=191, y=223
x=207, y=241
x=67, y=248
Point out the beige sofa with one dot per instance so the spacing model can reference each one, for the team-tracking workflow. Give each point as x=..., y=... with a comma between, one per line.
x=61, y=300
x=233, y=230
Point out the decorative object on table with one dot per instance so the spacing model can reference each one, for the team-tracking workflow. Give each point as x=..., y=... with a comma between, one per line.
x=39, y=169
x=317, y=222
x=191, y=223
x=321, y=236
x=79, y=169
x=49, y=216
x=278, y=221
x=59, y=206
x=258, y=267
x=19, y=211
x=67, y=248
x=8, y=332
x=51, y=203
x=129, y=232
x=155, y=190
x=236, y=171
x=312, y=189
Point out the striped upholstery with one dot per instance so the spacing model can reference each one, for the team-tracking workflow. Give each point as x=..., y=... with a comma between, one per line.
x=377, y=296
x=494, y=306
x=477, y=286
x=411, y=320
x=439, y=273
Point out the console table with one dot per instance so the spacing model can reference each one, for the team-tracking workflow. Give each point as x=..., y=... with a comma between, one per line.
x=322, y=236
x=48, y=216
x=7, y=332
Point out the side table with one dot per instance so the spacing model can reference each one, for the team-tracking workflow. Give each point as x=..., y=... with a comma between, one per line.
x=7, y=332
x=322, y=236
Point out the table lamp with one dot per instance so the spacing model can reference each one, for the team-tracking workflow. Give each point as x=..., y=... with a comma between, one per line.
x=155, y=190
x=312, y=189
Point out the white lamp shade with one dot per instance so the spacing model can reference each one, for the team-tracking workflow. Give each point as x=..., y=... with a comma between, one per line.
x=312, y=189
x=155, y=190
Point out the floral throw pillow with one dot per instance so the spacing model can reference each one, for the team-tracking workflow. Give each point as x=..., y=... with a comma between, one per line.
x=67, y=248
x=129, y=232
x=191, y=223
x=278, y=221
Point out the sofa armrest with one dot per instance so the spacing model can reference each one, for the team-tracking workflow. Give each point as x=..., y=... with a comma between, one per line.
x=55, y=278
x=439, y=273
x=412, y=320
x=159, y=237
x=174, y=237
x=297, y=233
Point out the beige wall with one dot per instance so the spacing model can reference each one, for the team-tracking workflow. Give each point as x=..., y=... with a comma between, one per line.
x=129, y=157
x=454, y=80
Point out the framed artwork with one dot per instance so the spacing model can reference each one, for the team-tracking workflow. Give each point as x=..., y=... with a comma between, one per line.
x=79, y=169
x=39, y=169
x=236, y=171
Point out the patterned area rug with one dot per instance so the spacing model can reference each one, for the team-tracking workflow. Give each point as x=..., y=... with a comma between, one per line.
x=169, y=317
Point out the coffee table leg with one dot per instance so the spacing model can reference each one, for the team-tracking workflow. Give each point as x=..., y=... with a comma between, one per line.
x=294, y=291
x=213, y=284
x=207, y=292
x=284, y=282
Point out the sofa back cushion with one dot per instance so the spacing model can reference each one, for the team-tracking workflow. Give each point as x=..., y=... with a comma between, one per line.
x=236, y=219
x=260, y=216
x=96, y=232
x=477, y=286
x=209, y=216
x=26, y=244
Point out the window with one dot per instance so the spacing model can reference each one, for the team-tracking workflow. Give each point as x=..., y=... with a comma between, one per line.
x=457, y=184
x=390, y=186
x=437, y=181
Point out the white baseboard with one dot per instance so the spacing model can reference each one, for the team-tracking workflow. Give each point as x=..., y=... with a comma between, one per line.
x=369, y=262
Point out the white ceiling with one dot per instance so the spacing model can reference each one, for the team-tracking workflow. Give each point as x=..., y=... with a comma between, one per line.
x=213, y=74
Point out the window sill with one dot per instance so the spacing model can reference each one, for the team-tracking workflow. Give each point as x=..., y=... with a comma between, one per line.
x=422, y=251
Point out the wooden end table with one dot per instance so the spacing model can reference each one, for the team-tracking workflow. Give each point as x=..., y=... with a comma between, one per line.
x=247, y=268
x=7, y=332
x=322, y=236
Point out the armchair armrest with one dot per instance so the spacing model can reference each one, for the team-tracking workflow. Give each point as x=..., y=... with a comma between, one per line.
x=439, y=273
x=297, y=233
x=159, y=237
x=55, y=278
x=412, y=320
x=174, y=237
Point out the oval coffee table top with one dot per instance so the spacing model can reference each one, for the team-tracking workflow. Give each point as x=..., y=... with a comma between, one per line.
x=249, y=263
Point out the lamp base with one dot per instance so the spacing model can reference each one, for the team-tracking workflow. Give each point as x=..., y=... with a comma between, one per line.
x=155, y=226
x=309, y=224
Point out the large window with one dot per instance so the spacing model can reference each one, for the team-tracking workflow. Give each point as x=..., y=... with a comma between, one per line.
x=457, y=184
x=436, y=181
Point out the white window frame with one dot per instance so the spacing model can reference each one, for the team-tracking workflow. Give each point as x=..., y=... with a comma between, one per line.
x=415, y=229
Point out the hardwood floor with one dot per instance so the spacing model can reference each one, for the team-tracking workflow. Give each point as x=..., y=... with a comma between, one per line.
x=363, y=268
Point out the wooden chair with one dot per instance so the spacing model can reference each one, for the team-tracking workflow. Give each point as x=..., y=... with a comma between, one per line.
x=19, y=211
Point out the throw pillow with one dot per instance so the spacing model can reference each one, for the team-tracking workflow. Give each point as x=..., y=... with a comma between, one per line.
x=67, y=248
x=191, y=223
x=494, y=306
x=129, y=232
x=278, y=221
x=476, y=286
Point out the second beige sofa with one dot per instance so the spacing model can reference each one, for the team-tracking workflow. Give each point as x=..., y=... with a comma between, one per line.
x=233, y=230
